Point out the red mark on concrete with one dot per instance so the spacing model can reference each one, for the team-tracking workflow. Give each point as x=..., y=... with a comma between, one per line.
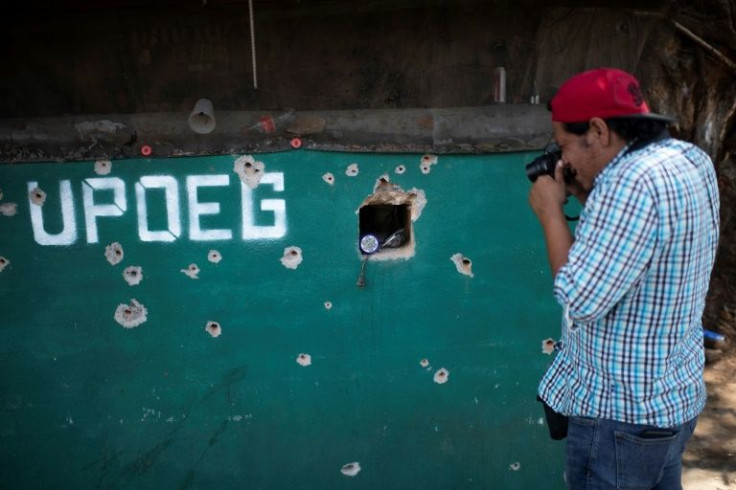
x=267, y=124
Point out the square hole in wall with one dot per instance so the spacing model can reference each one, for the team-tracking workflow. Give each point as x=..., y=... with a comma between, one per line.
x=387, y=227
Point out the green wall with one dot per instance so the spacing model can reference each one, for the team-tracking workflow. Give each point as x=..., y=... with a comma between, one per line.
x=86, y=403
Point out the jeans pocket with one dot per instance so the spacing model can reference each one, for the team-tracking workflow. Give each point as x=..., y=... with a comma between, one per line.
x=640, y=461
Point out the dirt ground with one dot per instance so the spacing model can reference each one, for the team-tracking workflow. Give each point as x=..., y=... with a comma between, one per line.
x=710, y=460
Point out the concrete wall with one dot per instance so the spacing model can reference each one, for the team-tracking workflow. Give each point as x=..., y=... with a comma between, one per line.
x=115, y=376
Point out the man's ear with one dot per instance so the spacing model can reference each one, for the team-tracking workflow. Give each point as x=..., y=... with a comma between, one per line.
x=599, y=131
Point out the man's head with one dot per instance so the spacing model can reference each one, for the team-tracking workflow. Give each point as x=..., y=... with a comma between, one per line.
x=595, y=114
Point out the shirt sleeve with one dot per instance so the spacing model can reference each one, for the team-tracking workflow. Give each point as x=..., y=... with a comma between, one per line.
x=611, y=252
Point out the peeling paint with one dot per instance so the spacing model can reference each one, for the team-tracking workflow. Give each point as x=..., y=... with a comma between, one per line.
x=350, y=469
x=400, y=169
x=132, y=315
x=292, y=257
x=103, y=167
x=214, y=329
x=3, y=263
x=238, y=418
x=192, y=271
x=548, y=346
x=418, y=201
x=249, y=170
x=463, y=264
x=383, y=184
x=37, y=196
x=114, y=253
x=329, y=178
x=328, y=305
x=352, y=170
x=8, y=209
x=426, y=163
x=214, y=256
x=304, y=360
x=441, y=376
x=150, y=413
x=133, y=275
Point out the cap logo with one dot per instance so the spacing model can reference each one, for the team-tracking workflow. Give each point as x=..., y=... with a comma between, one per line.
x=636, y=94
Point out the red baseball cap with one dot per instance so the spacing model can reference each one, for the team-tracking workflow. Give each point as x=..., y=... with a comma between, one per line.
x=604, y=93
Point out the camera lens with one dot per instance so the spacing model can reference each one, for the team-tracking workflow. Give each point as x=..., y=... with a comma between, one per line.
x=536, y=168
x=545, y=163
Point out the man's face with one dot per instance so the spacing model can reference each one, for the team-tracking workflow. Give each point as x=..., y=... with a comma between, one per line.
x=579, y=153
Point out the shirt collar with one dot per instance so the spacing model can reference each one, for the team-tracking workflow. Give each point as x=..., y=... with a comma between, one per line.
x=610, y=165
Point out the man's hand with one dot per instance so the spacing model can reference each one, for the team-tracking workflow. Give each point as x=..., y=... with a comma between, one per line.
x=548, y=196
x=546, y=199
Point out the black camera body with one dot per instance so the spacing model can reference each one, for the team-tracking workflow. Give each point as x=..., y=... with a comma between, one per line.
x=545, y=164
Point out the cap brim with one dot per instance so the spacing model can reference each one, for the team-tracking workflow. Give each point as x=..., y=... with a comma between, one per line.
x=651, y=115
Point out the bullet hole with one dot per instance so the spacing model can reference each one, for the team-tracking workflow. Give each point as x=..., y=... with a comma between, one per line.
x=292, y=257
x=8, y=209
x=463, y=264
x=390, y=225
x=352, y=170
x=114, y=253
x=133, y=275
x=214, y=329
x=424, y=363
x=3, y=263
x=516, y=466
x=37, y=196
x=192, y=271
x=103, y=167
x=441, y=376
x=249, y=170
x=132, y=315
x=386, y=218
x=350, y=469
x=400, y=169
x=426, y=163
x=328, y=305
x=214, y=256
x=548, y=346
x=329, y=178
x=304, y=360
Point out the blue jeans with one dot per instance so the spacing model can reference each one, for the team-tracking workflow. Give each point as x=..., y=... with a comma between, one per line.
x=605, y=454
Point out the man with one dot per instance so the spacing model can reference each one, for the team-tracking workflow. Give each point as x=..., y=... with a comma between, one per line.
x=632, y=284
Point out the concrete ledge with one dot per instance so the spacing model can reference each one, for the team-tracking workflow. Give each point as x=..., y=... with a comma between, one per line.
x=487, y=129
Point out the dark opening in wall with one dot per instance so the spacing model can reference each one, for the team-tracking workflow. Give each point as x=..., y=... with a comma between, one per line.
x=390, y=225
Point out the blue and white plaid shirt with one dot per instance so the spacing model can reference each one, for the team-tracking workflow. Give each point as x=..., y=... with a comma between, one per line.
x=633, y=290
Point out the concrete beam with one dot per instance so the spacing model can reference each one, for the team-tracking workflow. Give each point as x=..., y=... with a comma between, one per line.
x=487, y=129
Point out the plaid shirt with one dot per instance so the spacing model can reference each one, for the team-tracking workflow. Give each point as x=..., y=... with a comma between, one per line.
x=633, y=290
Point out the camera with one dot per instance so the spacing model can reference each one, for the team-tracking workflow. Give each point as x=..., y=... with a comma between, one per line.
x=545, y=164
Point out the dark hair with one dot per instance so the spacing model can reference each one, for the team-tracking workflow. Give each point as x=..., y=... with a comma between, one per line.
x=629, y=128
